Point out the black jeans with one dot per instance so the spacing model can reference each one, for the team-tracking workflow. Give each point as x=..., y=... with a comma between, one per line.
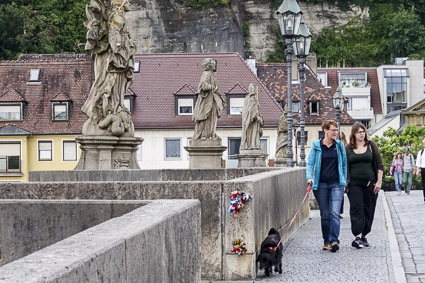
x=423, y=180
x=362, y=207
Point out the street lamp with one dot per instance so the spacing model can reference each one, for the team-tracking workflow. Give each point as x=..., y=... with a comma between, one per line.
x=338, y=101
x=289, y=17
x=302, y=48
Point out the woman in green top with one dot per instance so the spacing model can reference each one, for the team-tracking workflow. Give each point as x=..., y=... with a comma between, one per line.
x=364, y=177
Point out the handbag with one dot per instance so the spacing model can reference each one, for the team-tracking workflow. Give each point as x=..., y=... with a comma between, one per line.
x=392, y=170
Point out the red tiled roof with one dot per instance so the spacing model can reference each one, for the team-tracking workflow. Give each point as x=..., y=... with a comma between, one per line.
x=61, y=97
x=372, y=78
x=11, y=95
x=161, y=75
x=186, y=89
x=59, y=78
x=237, y=89
x=274, y=76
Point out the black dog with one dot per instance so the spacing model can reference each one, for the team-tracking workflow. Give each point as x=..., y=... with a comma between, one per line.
x=270, y=253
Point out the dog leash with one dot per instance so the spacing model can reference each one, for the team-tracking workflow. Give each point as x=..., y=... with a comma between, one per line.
x=293, y=218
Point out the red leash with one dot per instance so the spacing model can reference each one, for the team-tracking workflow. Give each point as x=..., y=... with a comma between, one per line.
x=293, y=218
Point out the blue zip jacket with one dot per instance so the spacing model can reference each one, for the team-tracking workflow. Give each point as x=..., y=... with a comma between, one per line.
x=315, y=163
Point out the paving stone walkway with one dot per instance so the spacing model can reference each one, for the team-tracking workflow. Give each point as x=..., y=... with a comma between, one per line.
x=408, y=216
x=397, y=252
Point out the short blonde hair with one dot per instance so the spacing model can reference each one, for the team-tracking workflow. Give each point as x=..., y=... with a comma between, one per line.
x=326, y=125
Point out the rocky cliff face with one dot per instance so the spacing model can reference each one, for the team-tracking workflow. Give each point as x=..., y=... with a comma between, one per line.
x=172, y=26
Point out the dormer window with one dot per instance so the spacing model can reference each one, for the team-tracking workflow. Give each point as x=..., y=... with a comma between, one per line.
x=35, y=75
x=60, y=111
x=236, y=105
x=296, y=107
x=314, y=107
x=136, y=67
x=128, y=103
x=185, y=106
x=11, y=112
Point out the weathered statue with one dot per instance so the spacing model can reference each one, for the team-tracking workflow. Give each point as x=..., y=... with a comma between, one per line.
x=282, y=136
x=209, y=104
x=252, y=122
x=113, y=51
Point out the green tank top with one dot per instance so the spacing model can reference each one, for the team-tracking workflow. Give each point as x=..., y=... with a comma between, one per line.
x=361, y=167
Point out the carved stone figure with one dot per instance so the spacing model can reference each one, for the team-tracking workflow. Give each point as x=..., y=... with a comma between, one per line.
x=252, y=122
x=209, y=104
x=282, y=136
x=113, y=51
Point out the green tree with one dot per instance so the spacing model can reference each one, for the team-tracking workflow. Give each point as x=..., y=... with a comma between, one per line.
x=11, y=16
x=390, y=143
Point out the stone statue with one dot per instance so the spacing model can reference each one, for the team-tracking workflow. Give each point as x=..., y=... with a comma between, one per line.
x=282, y=136
x=113, y=51
x=252, y=122
x=209, y=104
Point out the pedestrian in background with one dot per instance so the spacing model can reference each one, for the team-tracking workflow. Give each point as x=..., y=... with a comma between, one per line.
x=397, y=169
x=408, y=167
x=364, y=177
x=420, y=166
x=328, y=162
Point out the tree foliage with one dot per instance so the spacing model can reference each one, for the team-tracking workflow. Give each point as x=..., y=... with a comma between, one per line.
x=41, y=26
x=391, y=143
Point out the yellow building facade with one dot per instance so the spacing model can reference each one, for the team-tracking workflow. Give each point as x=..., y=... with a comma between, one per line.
x=21, y=154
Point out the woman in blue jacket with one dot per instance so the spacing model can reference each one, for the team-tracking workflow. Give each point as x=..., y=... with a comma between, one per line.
x=327, y=173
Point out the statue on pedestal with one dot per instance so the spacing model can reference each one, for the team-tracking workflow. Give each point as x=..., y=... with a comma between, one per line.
x=108, y=140
x=209, y=104
x=252, y=122
x=112, y=49
x=282, y=137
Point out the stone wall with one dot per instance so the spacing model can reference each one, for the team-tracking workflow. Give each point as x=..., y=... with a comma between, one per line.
x=158, y=242
x=277, y=195
x=29, y=225
x=144, y=175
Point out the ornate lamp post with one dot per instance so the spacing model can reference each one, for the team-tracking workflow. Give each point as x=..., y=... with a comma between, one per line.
x=289, y=17
x=302, y=48
x=338, y=101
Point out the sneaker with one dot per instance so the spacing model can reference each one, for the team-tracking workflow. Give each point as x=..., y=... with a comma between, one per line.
x=365, y=242
x=335, y=247
x=398, y=193
x=408, y=192
x=357, y=243
x=326, y=247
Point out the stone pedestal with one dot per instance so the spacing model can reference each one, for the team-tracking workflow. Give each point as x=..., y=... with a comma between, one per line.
x=108, y=152
x=251, y=158
x=280, y=162
x=205, y=154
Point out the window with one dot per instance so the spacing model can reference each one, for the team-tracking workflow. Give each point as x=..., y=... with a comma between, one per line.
x=185, y=106
x=323, y=78
x=350, y=103
x=35, y=75
x=10, y=112
x=236, y=105
x=127, y=103
x=69, y=151
x=264, y=145
x=60, y=111
x=314, y=107
x=172, y=149
x=299, y=138
x=233, y=150
x=396, y=86
x=136, y=67
x=139, y=153
x=296, y=107
x=44, y=150
x=354, y=79
x=320, y=134
x=10, y=157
